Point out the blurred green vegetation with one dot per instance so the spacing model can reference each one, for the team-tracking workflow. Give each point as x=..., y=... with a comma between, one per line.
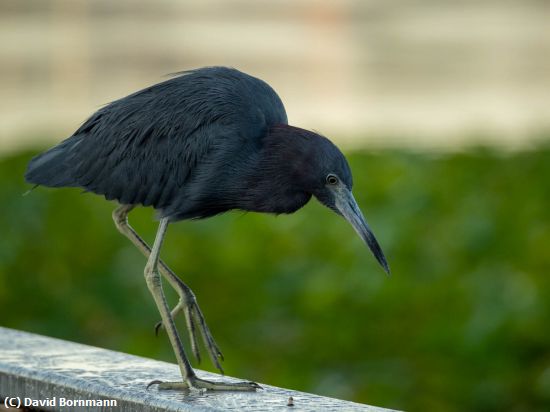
x=298, y=301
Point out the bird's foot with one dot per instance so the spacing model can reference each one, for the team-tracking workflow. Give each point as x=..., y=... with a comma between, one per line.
x=203, y=384
x=193, y=319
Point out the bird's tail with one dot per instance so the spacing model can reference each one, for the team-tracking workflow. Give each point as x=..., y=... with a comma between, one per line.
x=52, y=168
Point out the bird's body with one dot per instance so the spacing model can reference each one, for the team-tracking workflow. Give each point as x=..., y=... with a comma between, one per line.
x=164, y=145
x=199, y=144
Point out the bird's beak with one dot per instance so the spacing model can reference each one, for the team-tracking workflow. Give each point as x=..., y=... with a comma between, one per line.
x=347, y=206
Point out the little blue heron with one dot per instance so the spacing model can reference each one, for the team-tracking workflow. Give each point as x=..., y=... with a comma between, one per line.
x=199, y=144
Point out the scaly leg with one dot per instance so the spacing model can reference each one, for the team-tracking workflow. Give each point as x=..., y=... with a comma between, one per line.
x=187, y=301
x=190, y=379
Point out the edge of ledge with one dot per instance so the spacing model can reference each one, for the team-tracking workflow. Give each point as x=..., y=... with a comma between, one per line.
x=43, y=368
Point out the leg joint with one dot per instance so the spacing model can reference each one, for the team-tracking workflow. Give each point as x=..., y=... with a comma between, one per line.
x=120, y=215
x=152, y=277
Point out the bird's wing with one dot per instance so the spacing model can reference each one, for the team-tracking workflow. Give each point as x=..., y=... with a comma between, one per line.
x=141, y=149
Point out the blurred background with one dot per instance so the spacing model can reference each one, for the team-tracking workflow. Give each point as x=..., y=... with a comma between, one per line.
x=443, y=110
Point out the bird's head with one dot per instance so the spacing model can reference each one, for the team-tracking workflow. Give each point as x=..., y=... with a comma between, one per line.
x=334, y=190
x=323, y=172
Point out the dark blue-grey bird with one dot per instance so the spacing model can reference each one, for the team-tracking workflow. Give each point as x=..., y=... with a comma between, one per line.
x=202, y=143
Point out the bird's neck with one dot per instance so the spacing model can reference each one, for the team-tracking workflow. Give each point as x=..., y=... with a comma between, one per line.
x=278, y=181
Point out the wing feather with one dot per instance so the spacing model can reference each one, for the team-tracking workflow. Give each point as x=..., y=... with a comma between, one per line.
x=142, y=149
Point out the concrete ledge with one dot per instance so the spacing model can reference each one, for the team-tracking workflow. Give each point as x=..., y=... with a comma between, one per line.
x=53, y=371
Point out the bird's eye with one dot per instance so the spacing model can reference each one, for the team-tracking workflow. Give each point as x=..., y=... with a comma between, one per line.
x=332, y=179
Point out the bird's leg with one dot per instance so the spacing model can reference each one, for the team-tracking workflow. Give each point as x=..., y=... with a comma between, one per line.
x=187, y=301
x=190, y=379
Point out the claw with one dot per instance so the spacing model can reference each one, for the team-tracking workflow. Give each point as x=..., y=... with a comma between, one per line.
x=155, y=382
x=158, y=326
